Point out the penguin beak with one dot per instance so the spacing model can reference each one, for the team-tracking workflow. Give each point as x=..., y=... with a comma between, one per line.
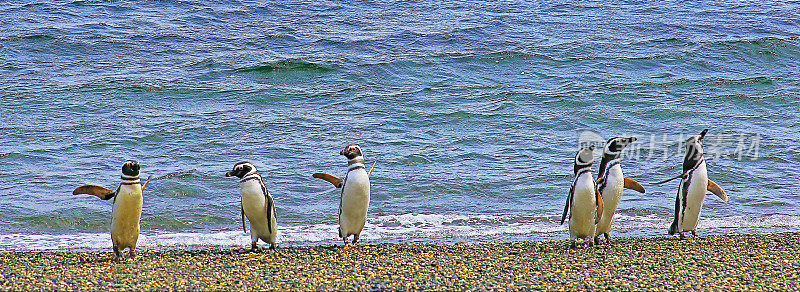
x=228, y=174
x=591, y=147
x=343, y=152
x=703, y=134
x=632, y=139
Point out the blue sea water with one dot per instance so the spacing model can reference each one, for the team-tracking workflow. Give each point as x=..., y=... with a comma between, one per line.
x=472, y=111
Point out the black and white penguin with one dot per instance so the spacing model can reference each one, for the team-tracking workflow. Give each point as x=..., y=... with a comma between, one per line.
x=584, y=205
x=610, y=182
x=355, y=194
x=257, y=205
x=692, y=189
x=127, y=209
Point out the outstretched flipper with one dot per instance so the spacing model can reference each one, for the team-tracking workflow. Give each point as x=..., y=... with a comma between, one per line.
x=337, y=182
x=98, y=191
x=599, y=202
x=569, y=201
x=147, y=182
x=682, y=175
x=633, y=185
x=715, y=189
x=371, y=169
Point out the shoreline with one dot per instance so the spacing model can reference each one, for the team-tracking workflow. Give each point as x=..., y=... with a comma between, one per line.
x=148, y=241
x=736, y=261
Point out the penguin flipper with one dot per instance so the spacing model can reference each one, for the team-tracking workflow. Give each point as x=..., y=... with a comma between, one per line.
x=682, y=175
x=569, y=201
x=243, y=227
x=673, y=228
x=97, y=191
x=337, y=182
x=633, y=185
x=371, y=169
x=270, y=208
x=147, y=182
x=715, y=189
x=599, y=202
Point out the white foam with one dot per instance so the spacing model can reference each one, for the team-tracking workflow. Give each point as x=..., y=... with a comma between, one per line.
x=432, y=227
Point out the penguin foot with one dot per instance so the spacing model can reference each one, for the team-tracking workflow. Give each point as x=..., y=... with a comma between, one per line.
x=272, y=246
x=573, y=244
x=117, y=255
x=681, y=235
x=254, y=247
x=608, y=238
x=694, y=233
x=355, y=239
x=597, y=240
x=131, y=254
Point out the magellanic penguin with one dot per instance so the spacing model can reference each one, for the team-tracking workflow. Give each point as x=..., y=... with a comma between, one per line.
x=257, y=205
x=355, y=193
x=127, y=208
x=610, y=182
x=692, y=189
x=584, y=205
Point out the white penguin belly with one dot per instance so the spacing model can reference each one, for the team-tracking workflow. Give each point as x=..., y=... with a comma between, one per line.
x=612, y=194
x=254, y=204
x=355, y=201
x=584, y=208
x=694, y=198
x=125, y=216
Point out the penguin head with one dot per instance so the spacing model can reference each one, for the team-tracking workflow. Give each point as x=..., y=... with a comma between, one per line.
x=351, y=151
x=614, y=146
x=242, y=169
x=130, y=168
x=694, y=145
x=585, y=157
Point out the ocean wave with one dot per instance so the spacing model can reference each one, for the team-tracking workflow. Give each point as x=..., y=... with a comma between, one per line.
x=285, y=66
x=414, y=227
x=717, y=81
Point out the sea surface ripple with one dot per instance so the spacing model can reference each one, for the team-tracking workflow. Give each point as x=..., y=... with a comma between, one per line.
x=472, y=111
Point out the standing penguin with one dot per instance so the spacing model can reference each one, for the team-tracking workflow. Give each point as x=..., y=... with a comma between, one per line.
x=127, y=208
x=355, y=193
x=610, y=182
x=257, y=205
x=584, y=205
x=692, y=189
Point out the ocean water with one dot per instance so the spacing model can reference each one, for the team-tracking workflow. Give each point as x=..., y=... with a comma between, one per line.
x=472, y=111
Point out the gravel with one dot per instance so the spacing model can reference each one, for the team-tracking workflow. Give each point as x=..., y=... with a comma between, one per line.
x=726, y=262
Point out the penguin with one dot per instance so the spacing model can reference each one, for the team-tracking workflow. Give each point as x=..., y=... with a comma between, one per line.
x=692, y=189
x=257, y=205
x=610, y=182
x=127, y=210
x=584, y=205
x=354, y=200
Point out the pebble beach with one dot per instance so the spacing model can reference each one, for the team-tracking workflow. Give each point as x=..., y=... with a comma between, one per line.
x=719, y=262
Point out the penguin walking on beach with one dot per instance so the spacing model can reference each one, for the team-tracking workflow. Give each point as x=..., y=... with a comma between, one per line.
x=584, y=205
x=354, y=199
x=257, y=205
x=610, y=182
x=127, y=209
x=692, y=189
